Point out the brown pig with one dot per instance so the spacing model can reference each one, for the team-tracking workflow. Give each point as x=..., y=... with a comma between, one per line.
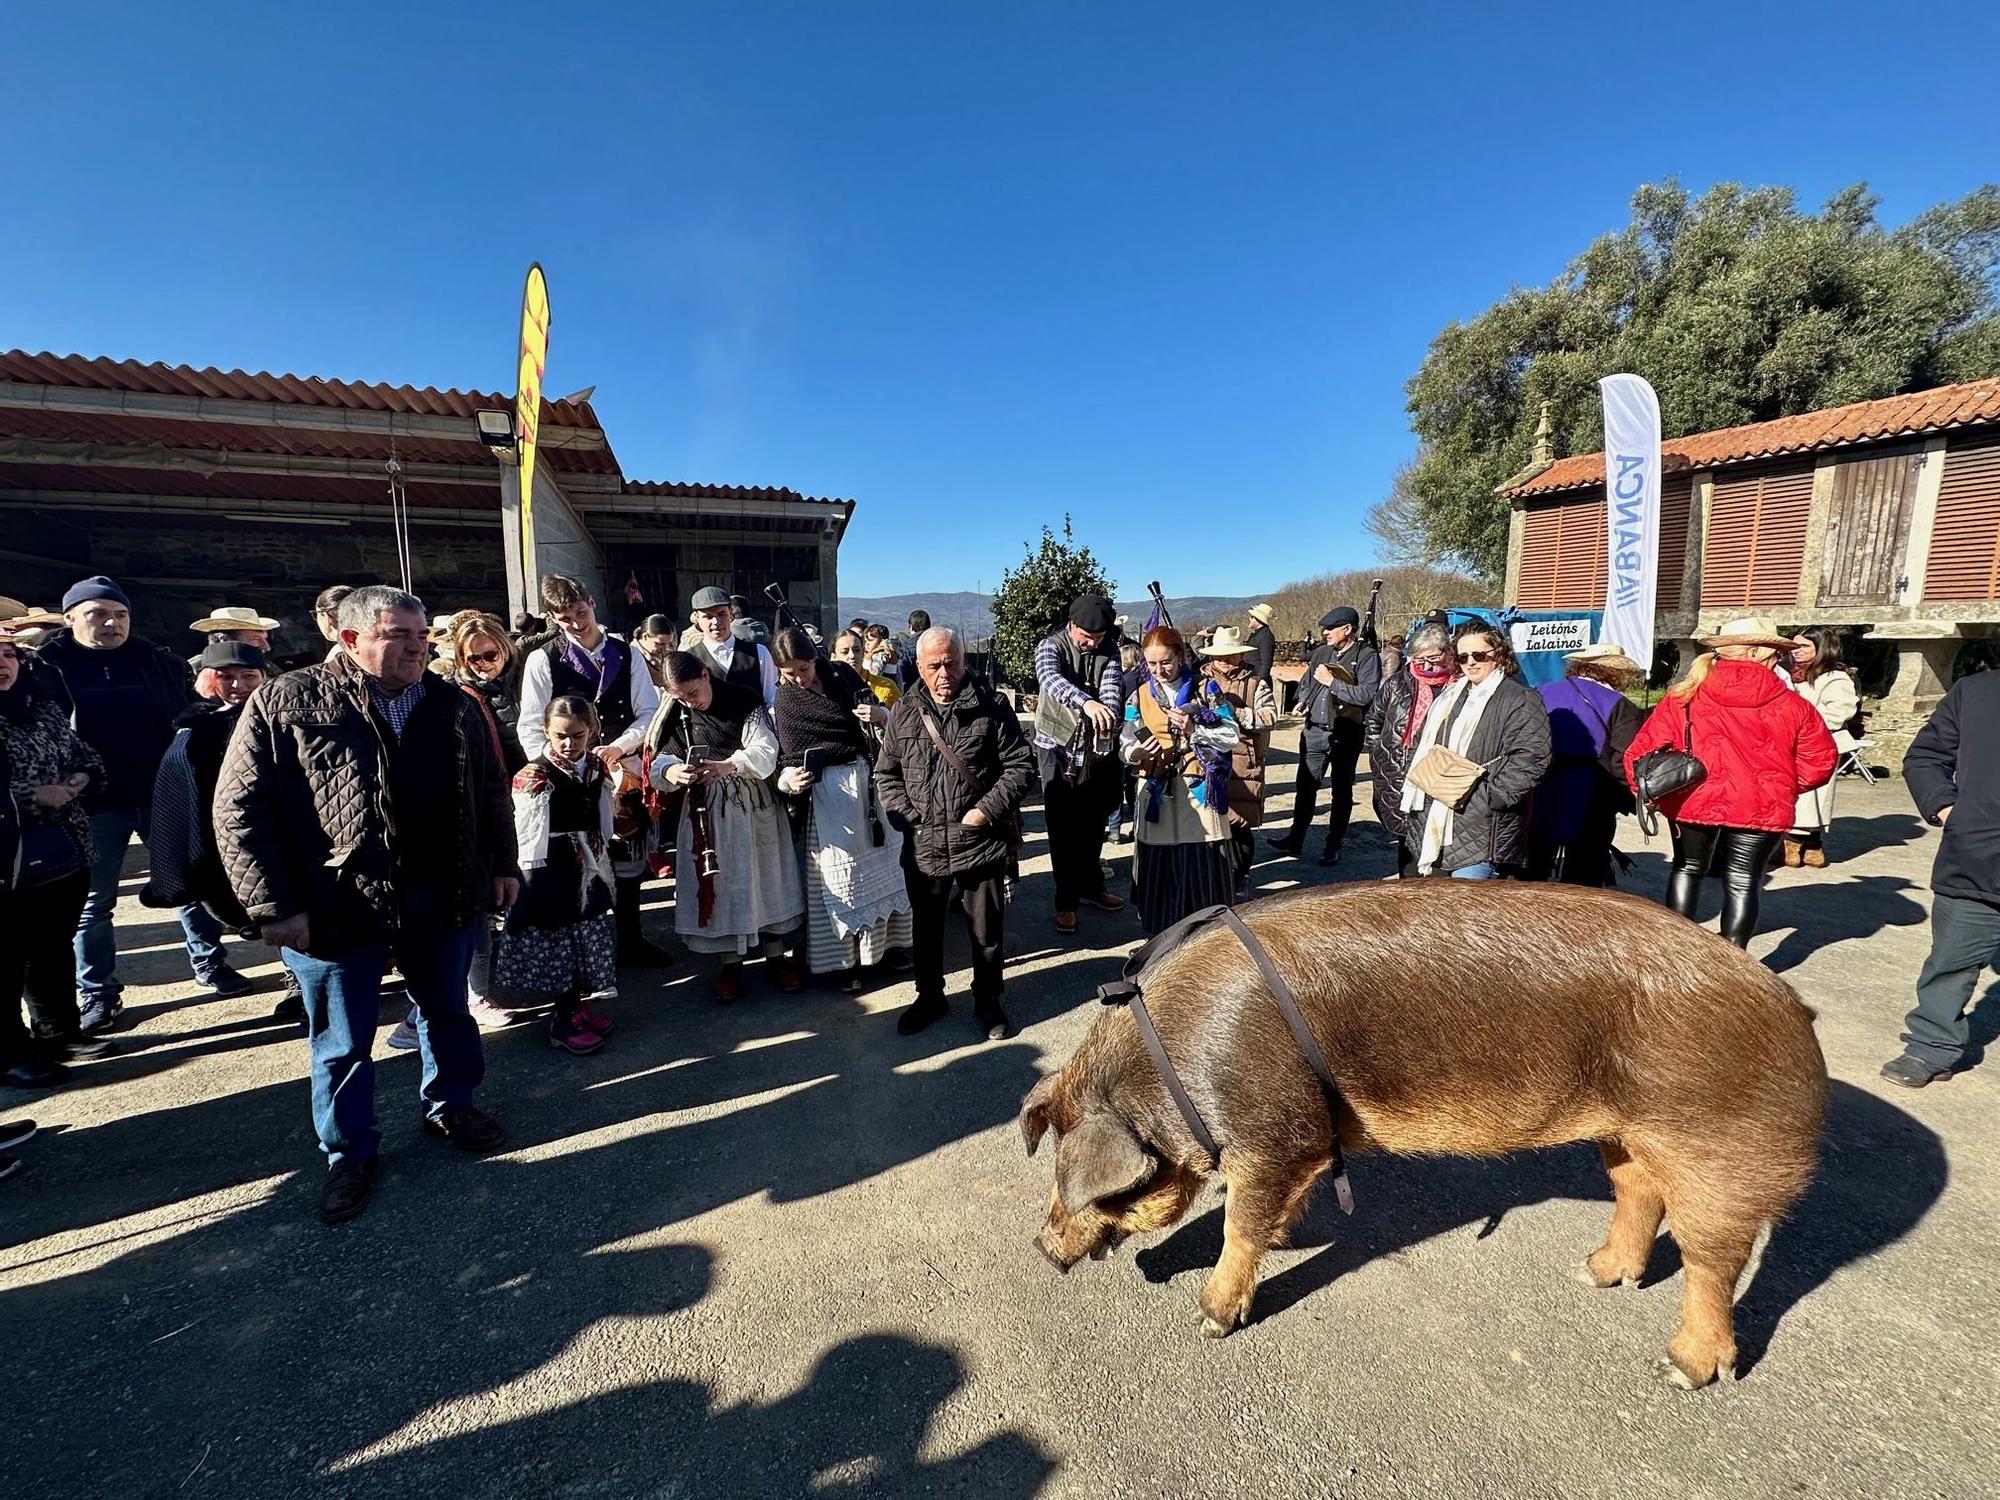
x=1461, y=1017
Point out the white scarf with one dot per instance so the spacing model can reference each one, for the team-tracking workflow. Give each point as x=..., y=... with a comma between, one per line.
x=1439, y=818
x=531, y=830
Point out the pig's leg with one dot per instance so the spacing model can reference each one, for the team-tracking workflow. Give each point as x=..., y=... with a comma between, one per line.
x=1264, y=1198
x=1635, y=1220
x=1716, y=1225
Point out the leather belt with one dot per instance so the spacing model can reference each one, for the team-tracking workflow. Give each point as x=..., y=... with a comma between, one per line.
x=1127, y=990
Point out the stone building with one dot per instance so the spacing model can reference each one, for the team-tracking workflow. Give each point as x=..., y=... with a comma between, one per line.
x=196, y=488
x=1882, y=518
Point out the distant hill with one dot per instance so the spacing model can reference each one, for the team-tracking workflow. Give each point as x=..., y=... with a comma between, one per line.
x=971, y=614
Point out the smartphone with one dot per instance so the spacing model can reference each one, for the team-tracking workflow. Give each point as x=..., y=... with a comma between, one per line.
x=697, y=753
x=814, y=761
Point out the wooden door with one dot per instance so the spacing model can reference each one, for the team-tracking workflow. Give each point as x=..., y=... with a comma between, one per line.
x=1868, y=528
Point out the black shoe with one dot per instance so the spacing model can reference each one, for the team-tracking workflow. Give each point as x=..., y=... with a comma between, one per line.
x=1912, y=1072
x=81, y=1048
x=345, y=1191
x=994, y=1019
x=1285, y=846
x=639, y=953
x=469, y=1129
x=1329, y=858
x=290, y=1008
x=8, y=1167
x=34, y=1074
x=919, y=1015
x=227, y=983
x=16, y=1133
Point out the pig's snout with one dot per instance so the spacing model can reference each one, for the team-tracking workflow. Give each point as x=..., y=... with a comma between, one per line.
x=1049, y=1254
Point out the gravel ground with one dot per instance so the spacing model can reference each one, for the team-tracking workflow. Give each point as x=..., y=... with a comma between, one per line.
x=778, y=1249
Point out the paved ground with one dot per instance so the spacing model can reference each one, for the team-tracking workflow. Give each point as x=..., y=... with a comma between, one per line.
x=779, y=1249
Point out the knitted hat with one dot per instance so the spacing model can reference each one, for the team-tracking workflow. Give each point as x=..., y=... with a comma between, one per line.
x=98, y=587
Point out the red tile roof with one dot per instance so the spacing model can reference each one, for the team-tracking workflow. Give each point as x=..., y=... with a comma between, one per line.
x=1975, y=403
x=685, y=491
x=158, y=378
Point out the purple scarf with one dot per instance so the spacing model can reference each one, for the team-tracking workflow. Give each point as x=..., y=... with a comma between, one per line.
x=1215, y=764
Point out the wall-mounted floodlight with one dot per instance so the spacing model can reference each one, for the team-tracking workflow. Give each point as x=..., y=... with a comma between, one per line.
x=496, y=428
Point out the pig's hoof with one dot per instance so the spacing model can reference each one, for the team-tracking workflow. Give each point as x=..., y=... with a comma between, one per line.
x=1582, y=1273
x=1671, y=1372
x=1210, y=1329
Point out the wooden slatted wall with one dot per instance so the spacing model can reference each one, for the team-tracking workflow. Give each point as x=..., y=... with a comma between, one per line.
x=1756, y=540
x=1964, y=562
x=1562, y=553
x=1676, y=498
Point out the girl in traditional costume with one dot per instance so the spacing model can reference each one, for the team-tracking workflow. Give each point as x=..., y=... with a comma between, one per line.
x=559, y=943
x=736, y=871
x=1179, y=734
x=857, y=902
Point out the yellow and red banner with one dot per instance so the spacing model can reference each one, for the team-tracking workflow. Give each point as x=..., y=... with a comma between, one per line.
x=528, y=403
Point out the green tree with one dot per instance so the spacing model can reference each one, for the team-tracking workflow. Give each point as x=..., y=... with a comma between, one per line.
x=1035, y=597
x=1736, y=306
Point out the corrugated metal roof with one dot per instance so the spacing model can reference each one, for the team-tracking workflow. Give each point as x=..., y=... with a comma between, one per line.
x=1974, y=403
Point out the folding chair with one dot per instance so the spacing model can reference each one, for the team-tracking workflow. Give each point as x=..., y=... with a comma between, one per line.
x=1851, y=764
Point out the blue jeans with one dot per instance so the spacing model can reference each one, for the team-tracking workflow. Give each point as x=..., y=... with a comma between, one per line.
x=343, y=1003
x=1484, y=870
x=96, y=944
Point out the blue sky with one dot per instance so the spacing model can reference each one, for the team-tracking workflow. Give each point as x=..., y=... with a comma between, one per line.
x=1164, y=267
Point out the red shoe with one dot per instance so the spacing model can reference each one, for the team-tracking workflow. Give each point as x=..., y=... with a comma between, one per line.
x=573, y=1037
x=1105, y=901
x=1066, y=923
x=729, y=984
x=590, y=1020
x=786, y=973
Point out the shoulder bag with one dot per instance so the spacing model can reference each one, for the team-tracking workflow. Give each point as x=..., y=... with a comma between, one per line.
x=1659, y=774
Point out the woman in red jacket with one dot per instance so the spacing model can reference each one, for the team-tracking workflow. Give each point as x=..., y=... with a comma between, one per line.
x=1762, y=744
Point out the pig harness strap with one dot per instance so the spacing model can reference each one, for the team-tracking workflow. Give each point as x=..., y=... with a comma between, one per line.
x=1126, y=991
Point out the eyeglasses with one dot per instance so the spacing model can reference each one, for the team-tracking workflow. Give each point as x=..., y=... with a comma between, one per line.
x=481, y=658
x=1435, y=659
x=1479, y=656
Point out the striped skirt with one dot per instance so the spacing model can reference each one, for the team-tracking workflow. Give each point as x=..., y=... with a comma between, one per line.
x=827, y=952
x=1171, y=880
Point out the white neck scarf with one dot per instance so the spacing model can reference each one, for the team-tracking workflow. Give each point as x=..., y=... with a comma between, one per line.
x=1439, y=818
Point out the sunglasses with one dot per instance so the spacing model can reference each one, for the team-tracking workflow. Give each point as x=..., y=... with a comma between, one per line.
x=483, y=657
x=1479, y=656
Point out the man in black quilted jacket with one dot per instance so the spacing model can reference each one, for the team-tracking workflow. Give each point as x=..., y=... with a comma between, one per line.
x=363, y=810
x=955, y=801
x=1953, y=773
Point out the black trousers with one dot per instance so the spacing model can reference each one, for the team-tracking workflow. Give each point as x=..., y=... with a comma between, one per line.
x=1076, y=811
x=1739, y=855
x=983, y=896
x=1327, y=758
x=38, y=962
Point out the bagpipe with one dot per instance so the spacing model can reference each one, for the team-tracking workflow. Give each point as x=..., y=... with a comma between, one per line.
x=1204, y=708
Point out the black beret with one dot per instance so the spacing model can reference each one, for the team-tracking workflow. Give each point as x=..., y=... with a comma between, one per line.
x=233, y=654
x=1093, y=613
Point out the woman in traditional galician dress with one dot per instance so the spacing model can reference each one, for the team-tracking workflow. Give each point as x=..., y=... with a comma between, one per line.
x=736, y=883
x=1179, y=734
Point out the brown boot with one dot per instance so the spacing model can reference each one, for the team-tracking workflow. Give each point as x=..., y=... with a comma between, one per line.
x=1792, y=853
x=1813, y=856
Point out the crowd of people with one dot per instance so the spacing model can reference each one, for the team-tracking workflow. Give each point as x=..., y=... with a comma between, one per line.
x=465, y=815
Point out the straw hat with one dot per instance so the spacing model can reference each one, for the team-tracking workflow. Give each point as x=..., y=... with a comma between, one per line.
x=235, y=617
x=32, y=619
x=1751, y=630
x=1606, y=654
x=1261, y=613
x=1228, y=642
x=10, y=607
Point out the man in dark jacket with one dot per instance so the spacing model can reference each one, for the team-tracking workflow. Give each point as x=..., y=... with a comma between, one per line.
x=1953, y=772
x=1342, y=678
x=1079, y=704
x=362, y=810
x=1263, y=654
x=953, y=772
x=124, y=694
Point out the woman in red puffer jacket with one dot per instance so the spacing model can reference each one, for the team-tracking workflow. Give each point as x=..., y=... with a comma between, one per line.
x=1762, y=744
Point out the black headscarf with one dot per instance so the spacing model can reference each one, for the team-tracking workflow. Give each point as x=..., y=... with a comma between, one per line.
x=719, y=726
x=821, y=717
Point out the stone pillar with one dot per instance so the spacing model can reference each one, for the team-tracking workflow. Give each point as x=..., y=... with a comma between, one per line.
x=1517, y=526
x=1923, y=672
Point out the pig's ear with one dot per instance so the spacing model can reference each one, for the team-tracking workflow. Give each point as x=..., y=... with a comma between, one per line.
x=1035, y=1112
x=1101, y=1158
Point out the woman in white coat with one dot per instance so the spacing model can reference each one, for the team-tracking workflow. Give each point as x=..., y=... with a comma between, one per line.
x=1822, y=680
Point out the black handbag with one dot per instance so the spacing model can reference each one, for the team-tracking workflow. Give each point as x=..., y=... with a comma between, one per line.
x=1659, y=774
x=48, y=852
